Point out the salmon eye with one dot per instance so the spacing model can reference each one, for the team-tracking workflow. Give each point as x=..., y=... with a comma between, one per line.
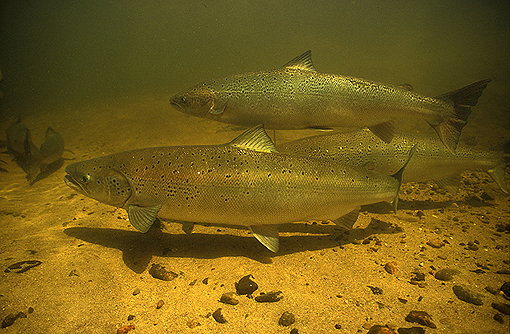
x=183, y=99
x=86, y=178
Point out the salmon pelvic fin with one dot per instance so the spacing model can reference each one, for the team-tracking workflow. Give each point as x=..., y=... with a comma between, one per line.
x=463, y=99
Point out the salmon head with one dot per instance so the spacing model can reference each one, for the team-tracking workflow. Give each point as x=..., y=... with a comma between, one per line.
x=99, y=180
x=199, y=101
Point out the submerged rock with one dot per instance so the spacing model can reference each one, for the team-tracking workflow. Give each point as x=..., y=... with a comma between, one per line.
x=467, y=295
x=421, y=317
x=446, y=274
x=158, y=271
x=246, y=286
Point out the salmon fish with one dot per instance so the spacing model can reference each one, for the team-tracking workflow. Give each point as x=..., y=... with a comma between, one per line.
x=298, y=97
x=245, y=182
x=431, y=162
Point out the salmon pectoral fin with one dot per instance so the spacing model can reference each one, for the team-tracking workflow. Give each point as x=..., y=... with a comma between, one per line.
x=142, y=218
x=463, y=99
x=385, y=131
x=347, y=221
x=267, y=235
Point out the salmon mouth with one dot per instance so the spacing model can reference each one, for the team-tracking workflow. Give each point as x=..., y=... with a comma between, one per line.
x=75, y=185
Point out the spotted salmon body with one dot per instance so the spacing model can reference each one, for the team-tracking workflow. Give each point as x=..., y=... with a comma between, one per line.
x=431, y=162
x=298, y=97
x=245, y=182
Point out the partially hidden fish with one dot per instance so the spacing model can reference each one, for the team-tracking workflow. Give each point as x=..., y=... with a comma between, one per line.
x=431, y=162
x=245, y=182
x=20, y=146
x=296, y=96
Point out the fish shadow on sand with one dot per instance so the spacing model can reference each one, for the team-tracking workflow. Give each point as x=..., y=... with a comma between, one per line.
x=138, y=248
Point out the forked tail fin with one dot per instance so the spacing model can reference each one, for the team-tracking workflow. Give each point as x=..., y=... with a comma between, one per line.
x=399, y=175
x=463, y=99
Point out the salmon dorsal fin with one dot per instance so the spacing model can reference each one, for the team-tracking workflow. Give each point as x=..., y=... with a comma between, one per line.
x=255, y=139
x=302, y=62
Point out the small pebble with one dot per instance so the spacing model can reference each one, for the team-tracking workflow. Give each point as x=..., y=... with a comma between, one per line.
x=160, y=304
x=503, y=272
x=270, y=297
x=492, y=290
x=338, y=326
x=125, y=329
x=421, y=317
x=158, y=271
x=465, y=294
x=229, y=298
x=378, y=329
x=436, y=243
x=446, y=274
x=246, y=286
x=287, y=319
x=136, y=291
x=375, y=290
x=205, y=281
x=391, y=267
x=294, y=331
x=130, y=317
x=412, y=330
x=30, y=310
x=503, y=308
x=472, y=246
x=506, y=288
x=218, y=316
x=499, y=318
x=192, y=323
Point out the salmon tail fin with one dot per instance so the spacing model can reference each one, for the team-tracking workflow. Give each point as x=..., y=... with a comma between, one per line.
x=463, y=99
x=399, y=175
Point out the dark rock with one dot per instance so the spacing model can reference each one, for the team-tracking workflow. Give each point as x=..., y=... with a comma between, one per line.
x=391, y=267
x=421, y=317
x=205, y=281
x=378, y=329
x=246, y=286
x=465, y=294
x=30, y=310
x=402, y=300
x=73, y=272
x=472, y=246
x=218, y=316
x=446, y=274
x=158, y=271
x=492, y=290
x=9, y=320
x=499, y=318
x=375, y=290
x=294, y=331
x=270, y=297
x=412, y=330
x=287, y=319
x=130, y=317
x=506, y=289
x=338, y=326
x=229, y=298
x=503, y=272
x=418, y=276
x=503, y=308
x=136, y=291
